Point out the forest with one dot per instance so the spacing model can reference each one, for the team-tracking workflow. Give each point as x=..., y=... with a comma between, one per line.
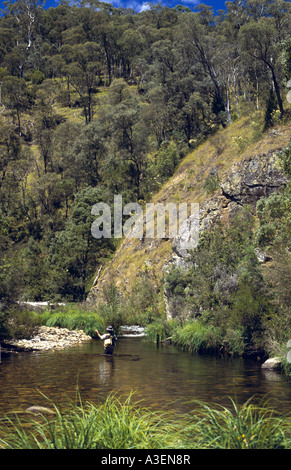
x=98, y=101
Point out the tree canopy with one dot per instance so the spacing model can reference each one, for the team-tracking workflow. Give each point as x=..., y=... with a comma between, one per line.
x=97, y=101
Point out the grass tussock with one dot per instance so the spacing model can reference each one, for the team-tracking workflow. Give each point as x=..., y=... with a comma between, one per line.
x=121, y=424
x=250, y=426
x=114, y=424
x=74, y=318
x=196, y=337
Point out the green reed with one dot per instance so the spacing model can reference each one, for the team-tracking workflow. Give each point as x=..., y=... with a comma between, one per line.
x=113, y=424
x=250, y=426
x=119, y=423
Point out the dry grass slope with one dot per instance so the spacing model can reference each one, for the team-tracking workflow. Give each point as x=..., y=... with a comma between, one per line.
x=241, y=140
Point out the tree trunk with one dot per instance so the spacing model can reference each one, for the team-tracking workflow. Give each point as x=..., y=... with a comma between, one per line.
x=277, y=91
x=69, y=94
x=18, y=120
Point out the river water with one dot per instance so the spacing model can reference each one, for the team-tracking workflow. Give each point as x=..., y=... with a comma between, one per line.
x=164, y=378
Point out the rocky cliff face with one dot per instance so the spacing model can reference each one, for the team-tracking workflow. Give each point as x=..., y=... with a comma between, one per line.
x=245, y=183
x=251, y=176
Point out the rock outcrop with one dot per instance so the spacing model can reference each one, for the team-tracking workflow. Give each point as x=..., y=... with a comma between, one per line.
x=246, y=182
x=243, y=180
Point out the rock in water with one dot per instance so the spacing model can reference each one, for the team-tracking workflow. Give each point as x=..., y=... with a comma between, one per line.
x=40, y=410
x=272, y=363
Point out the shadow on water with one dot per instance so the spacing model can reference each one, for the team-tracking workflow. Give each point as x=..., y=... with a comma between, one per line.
x=163, y=378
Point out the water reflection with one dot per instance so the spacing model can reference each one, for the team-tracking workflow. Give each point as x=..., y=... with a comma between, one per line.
x=106, y=370
x=163, y=378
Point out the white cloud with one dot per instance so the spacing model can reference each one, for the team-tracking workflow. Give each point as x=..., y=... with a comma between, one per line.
x=134, y=4
x=144, y=7
x=194, y=2
x=140, y=6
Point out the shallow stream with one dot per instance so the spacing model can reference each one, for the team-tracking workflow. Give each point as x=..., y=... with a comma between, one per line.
x=164, y=378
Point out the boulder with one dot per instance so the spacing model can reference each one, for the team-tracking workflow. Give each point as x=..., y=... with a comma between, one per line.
x=272, y=363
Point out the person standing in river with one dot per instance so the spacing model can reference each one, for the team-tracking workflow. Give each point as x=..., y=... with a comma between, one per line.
x=109, y=339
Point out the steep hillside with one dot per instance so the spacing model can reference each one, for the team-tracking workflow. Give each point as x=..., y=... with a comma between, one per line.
x=231, y=170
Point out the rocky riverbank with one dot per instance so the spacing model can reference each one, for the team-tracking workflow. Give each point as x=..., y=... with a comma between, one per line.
x=47, y=338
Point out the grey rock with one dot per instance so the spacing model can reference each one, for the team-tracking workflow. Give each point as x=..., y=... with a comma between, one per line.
x=272, y=363
x=51, y=338
x=39, y=410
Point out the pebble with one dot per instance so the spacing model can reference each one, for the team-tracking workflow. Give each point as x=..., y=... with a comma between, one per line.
x=51, y=338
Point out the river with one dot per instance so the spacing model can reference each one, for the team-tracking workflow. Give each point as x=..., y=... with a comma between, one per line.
x=164, y=378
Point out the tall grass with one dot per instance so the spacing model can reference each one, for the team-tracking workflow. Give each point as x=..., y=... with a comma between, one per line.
x=158, y=330
x=74, y=318
x=120, y=424
x=250, y=426
x=195, y=337
x=114, y=424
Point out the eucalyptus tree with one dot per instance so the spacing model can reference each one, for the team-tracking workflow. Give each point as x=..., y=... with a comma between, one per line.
x=127, y=139
x=10, y=150
x=74, y=253
x=106, y=32
x=83, y=70
x=27, y=16
x=6, y=40
x=263, y=38
x=15, y=96
x=260, y=40
x=205, y=50
x=45, y=121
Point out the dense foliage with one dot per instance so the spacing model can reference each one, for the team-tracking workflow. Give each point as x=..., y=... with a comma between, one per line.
x=231, y=301
x=98, y=101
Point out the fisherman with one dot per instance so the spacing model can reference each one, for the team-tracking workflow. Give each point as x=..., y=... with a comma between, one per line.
x=109, y=340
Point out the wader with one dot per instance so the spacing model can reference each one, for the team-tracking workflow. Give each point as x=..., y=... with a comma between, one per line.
x=108, y=346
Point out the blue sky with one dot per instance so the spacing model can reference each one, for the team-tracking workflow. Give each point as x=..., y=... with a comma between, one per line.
x=140, y=5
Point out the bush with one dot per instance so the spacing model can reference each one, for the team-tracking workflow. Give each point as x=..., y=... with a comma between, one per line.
x=234, y=341
x=211, y=183
x=37, y=77
x=19, y=323
x=158, y=330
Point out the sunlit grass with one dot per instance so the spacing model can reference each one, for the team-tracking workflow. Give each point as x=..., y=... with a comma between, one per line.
x=217, y=154
x=196, y=337
x=249, y=426
x=119, y=423
x=114, y=424
x=73, y=318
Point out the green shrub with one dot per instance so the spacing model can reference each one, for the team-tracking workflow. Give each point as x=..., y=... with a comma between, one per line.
x=19, y=323
x=37, y=77
x=158, y=330
x=234, y=341
x=211, y=183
